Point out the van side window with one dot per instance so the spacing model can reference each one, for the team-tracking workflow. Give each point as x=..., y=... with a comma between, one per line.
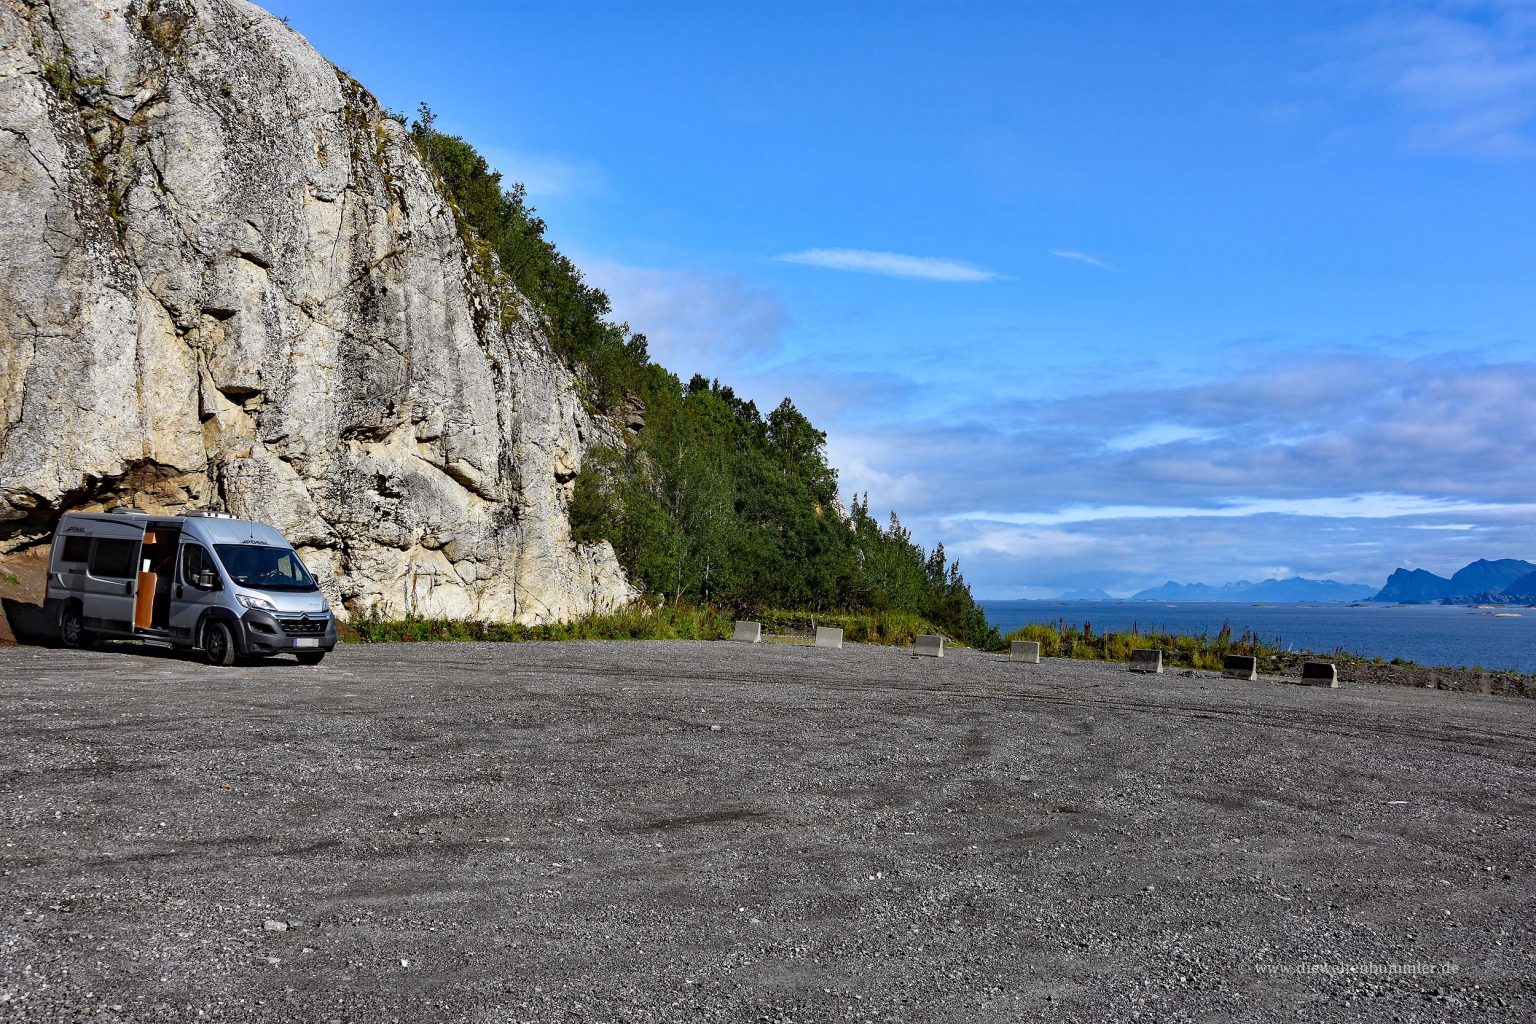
x=76, y=549
x=194, y=560
x=112, y=558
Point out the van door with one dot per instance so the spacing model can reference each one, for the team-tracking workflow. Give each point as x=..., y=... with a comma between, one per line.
x=189, y=599
x=111, y=575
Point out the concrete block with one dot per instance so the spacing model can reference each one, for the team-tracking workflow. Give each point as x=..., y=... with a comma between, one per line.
x=1320, y=673
x=1024, y=650
x=928, y=646
x=749, y=632
x=1146, y=661
x=827, y=636
x=1239, y=666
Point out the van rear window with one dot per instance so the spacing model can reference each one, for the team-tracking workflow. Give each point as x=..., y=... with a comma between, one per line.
x=76, y=549
x=113, y=559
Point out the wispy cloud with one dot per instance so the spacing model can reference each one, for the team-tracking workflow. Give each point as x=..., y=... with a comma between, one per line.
x=1468, y=82
x=1154, y=435
x=891, y=264
x=1354, y=506
x=1082, y=257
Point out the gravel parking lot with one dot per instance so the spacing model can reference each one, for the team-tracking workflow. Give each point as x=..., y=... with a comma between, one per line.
x=714, y=831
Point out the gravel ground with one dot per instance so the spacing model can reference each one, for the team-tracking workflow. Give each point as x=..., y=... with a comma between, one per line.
x=713, y=831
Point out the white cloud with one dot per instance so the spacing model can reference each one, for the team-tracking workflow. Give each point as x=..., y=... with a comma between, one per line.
x=1082, y=257
x=854, y=457
x=1033, y=543
x=695, y=323
x=1157, y=434
x=891, y=264
x=547, y=176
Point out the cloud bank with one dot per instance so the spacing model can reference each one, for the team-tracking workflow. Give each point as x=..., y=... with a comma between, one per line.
x=1337, y=467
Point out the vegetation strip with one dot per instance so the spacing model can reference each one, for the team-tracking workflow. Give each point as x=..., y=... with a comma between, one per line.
x=641, y=623
x=710, y=502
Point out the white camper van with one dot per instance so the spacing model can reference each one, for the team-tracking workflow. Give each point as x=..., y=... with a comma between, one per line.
x=203, y=581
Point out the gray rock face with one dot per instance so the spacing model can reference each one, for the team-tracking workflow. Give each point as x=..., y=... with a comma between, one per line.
x=227, y=280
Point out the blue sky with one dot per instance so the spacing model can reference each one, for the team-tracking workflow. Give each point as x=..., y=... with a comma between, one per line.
x=1099, y=295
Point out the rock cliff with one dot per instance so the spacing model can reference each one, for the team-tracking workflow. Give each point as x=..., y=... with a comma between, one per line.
x=1485, y=576
x=1480, y=582
x=1413, y=586
x=227, y=280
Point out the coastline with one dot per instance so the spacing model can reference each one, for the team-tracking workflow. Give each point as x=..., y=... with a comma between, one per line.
x=1454, y=637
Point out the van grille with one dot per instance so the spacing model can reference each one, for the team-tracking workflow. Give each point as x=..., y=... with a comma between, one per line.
x=303, y=627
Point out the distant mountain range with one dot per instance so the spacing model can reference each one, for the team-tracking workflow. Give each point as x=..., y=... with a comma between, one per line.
x=1086, y=594
x=1498, y=581
x=1504, y=581
x=1295, y=588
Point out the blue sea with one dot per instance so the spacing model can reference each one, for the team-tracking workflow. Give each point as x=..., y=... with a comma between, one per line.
x=1493, y=638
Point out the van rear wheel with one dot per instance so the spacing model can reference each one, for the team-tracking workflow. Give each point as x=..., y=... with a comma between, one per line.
x=218, y=643
x=72, y=630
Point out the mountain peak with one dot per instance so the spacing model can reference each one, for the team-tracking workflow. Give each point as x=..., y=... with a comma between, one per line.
x=1473, y=581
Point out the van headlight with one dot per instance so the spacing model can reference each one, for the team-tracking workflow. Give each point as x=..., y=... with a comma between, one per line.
x=256, y=602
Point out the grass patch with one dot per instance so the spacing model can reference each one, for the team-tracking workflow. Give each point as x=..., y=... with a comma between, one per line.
x=890, y=629
x=10, y=579
x=638, y=622
x=1068, y=640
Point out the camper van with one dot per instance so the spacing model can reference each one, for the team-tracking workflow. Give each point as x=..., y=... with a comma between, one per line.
x=202, y=581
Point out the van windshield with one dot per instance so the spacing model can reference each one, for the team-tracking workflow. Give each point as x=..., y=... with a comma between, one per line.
x=264, y=568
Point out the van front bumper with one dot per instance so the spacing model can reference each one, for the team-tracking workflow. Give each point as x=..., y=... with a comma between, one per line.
x=266, y=633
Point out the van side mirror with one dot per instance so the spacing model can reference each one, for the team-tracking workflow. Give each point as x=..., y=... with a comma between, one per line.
x=206, y=580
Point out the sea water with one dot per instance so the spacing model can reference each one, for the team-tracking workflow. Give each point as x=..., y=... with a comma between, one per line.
x=1493, y=638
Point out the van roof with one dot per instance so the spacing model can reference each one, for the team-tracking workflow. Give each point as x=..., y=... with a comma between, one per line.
x=206, y=528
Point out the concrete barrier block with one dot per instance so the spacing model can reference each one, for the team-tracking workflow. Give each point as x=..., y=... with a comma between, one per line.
x=749, y=632
x=827, y=636
x=928, y=646
x=1143, y=660
x=1320, y=673
x=1240, y=666
x=1024, y=650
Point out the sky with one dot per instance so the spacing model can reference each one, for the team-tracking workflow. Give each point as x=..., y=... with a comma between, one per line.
x=1096, y=294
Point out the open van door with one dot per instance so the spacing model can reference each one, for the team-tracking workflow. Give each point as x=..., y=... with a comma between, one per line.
x=111, y=575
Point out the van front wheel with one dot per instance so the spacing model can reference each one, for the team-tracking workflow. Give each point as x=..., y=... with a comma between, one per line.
x=218, y=643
